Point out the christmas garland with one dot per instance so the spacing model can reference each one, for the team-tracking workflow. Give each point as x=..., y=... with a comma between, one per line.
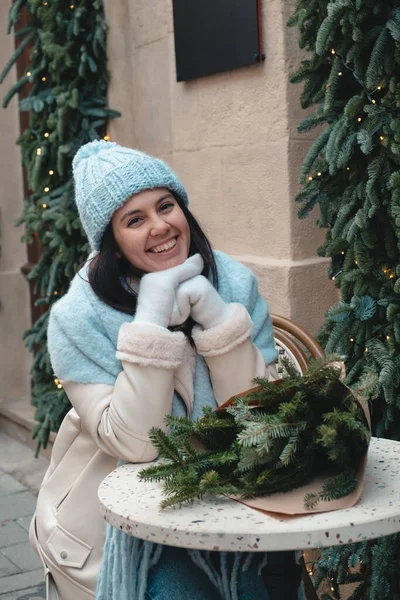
x=351, y=78
x=271, y=439
x=67, y=105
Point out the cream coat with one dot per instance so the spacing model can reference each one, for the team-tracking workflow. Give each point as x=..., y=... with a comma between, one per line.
x=111, y=422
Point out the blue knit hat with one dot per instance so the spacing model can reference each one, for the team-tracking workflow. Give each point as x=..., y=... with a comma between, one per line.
x=106, y=175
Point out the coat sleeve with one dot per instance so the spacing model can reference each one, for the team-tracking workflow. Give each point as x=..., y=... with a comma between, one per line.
x=242, y=347
x=117, y=411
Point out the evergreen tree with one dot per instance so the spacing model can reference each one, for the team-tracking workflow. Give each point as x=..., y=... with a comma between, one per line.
x=67, y=105
x=352, y=172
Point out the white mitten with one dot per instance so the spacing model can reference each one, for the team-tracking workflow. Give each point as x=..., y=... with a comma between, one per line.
x=157, y=291
x=198, y=298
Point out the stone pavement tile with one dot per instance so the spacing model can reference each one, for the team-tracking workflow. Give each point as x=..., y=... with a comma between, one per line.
x=37, y=592
x=17, y=505
x=7, y=567
x=11, y=532
x=9, y=485
x=18, y=460
x=25, y=522
x=22, y=555
x=21, y=581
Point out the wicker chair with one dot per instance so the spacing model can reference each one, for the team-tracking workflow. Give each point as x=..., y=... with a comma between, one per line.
x=295, y=343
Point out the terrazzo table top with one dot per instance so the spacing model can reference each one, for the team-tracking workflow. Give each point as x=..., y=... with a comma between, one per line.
x=223, y=524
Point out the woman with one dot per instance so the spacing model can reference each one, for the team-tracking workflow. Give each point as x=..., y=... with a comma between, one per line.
x=141, y=333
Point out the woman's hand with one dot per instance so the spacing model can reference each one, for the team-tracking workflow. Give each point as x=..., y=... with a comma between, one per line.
x=198, y=298
x=157, y=291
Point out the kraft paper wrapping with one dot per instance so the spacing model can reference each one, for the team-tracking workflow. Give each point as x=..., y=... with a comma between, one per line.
x=286, y=504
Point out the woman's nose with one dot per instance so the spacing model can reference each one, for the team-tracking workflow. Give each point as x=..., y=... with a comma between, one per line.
x=158, y=226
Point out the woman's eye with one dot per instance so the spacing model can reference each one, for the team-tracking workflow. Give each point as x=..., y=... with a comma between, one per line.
x=166, y=206
x=134, y=221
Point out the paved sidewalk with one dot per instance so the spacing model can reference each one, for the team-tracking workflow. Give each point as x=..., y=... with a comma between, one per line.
x=21, y=572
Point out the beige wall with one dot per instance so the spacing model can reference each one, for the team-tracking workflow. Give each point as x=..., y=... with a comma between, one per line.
x=232, y=139
x=15, y=360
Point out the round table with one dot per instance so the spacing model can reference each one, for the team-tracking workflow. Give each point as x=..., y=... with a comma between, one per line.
x=226, y=525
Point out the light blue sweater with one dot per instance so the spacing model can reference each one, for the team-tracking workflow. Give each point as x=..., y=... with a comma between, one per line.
x=82, y=340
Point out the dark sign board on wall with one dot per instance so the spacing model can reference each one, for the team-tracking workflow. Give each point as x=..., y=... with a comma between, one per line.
x=212, y=36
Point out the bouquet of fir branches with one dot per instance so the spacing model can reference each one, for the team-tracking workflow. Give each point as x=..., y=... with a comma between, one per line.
x=273, y=438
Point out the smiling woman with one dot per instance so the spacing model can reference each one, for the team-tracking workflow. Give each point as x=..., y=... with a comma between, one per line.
x=155, y=323
x=151, y=231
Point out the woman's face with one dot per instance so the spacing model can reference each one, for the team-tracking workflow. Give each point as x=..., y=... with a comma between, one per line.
x=151, y=231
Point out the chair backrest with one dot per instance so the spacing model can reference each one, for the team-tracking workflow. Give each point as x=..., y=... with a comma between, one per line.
x=294, y=342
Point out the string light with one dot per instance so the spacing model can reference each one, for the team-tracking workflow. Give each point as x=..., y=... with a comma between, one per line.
x=46, y=189
x=342, y=252
x=51, y=172
x=44, y=205
x=359, y=119
x=106, y=138
x=55, y=292
x=319, y=174
x=337, y=275
x=29, y=73
x=355, y=262
x=366, y=349
x=310, y=178
x=340, y=73
x=373, y=101
x=388, y=337
x=72, y=6
x=46, y=135
x=45, y=3
x=348, y=169
x=43, y=78
x=38, y=151
x=333, y=51
x=351, y=340
x=382, y=137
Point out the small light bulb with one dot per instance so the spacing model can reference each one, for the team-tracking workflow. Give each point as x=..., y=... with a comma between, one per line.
x=55, y=292
x=391, y=276
x=29, y=73
x=381, y=137
x=35, y=51
x=373, y=101
x=46, y=189
x=46, y=135
x=38, y=151
x=351, y=340
x=310, y=178
x=72, y=6
x=106, y=138
x=366, y=349
x=51, y=172
x=333, y=278
x=319, y=174
x=45, y=3
x=355, y=262
x=44, y=205
x=379, y=87
x=333, y=51
x=340, y=73
x=332, y=589
x=359, y=119
x=56, y=381
x=388, y=337
x=342, y=252
x=59, y=386
x=43, y=78
x=348, y=169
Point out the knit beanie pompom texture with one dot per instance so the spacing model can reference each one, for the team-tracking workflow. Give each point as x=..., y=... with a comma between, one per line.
x=106, y=175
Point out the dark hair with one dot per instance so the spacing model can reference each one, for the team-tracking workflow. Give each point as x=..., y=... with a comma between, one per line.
x=109, y=275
